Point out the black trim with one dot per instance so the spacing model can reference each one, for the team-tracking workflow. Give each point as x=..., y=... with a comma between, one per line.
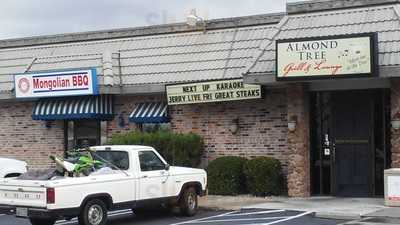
x=42, y=213
x=124, y=205
x=197, y=185
x=374, y=57
x=155, y=202
x=109, y=201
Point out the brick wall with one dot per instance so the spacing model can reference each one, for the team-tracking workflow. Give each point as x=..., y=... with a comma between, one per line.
x=26, y=139
x=298, y=141
x=395, y=134
x=262, y=126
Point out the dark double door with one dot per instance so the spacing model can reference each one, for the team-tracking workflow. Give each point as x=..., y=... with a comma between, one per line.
x=345, y=154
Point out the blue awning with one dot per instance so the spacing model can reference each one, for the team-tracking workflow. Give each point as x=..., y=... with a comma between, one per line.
x=150, y=112
x=98, y=107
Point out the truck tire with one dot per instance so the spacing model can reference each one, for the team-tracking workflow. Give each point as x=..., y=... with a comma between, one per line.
x=94, y=212
x=36, y=221
x=188, y=202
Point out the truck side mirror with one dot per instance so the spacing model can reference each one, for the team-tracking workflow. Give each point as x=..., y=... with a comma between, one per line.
x=166, y=167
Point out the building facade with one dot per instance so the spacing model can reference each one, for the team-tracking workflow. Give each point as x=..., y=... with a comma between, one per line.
x=334, y=127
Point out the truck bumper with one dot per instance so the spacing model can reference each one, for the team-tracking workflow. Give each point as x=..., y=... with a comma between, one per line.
x=41, y=213
x=4, y=209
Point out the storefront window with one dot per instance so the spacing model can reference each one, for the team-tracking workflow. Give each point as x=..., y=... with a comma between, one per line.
x=82, y=133
x=153, y=127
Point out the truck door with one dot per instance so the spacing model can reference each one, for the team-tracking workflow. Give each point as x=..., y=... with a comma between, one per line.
x=153, y=176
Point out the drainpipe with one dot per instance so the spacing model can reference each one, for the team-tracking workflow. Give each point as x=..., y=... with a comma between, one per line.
x=120, y=70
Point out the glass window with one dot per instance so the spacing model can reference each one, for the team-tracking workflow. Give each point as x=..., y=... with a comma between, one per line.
x=154, y=127
x=149, y=161
x=87, y=133
x=82, y=133
x=119, y=159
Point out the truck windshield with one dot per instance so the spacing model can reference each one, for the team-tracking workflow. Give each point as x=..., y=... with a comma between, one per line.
x=119, y=159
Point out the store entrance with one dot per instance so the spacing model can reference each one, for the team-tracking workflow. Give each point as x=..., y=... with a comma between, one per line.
x=352, y=145
x=349, y=142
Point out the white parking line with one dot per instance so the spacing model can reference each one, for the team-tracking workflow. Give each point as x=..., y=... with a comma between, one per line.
x=260, y=212
x=283, y=220
x=205, y=218
x=245, y=219
x=237, y=213
x=110, y=214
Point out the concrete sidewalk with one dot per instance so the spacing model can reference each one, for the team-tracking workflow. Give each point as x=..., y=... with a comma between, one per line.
x=219, y=202
x=324, y=207
x=387, y=216
x=393, y=212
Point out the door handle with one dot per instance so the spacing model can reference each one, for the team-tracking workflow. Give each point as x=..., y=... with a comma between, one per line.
x=145, y=176
x=334, y=153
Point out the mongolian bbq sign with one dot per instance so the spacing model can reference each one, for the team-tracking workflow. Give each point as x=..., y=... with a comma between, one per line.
x=58, y=83
x=213, y=91
x=329, y=57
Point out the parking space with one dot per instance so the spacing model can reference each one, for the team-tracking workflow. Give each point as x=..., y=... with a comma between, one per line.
x=259, y=217
x=123, y=217
x=242, y=217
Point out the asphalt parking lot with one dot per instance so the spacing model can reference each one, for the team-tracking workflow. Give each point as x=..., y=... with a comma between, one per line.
x=243, y=217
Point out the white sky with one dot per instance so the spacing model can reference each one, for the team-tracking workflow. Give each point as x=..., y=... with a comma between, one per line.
x=24, y=18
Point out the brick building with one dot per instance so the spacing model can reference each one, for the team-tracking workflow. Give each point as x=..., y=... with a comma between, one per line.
x=325, y=129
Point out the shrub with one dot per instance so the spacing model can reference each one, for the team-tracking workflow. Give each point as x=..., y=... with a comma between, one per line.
x=225, y=176
x=177, y=149
x=264, y=176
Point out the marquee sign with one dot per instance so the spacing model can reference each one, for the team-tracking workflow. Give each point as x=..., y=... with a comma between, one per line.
x=326, y=57
x=213, y=91
x=53, y=84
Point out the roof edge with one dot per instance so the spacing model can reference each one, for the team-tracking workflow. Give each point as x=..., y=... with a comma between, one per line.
x=213, y=24
x=324, y=5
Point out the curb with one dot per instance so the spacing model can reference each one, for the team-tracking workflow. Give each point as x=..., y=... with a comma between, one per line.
x=209, y=208
x=368, y=221
x=216, y=208
x=337, y=216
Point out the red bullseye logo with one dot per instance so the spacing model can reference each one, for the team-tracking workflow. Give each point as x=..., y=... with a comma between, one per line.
x=23, y=85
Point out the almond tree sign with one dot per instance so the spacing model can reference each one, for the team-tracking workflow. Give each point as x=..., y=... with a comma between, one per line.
x=336, y=56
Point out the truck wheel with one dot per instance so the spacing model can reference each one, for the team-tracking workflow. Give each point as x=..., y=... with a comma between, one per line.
x=188, y=202
x=93, y=213
x=36, y=221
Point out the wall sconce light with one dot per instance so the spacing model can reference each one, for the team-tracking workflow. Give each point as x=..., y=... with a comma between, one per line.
x=292, y=123
x=396, y=124
x=396, y=121
x=121, y=121
x=234, y=127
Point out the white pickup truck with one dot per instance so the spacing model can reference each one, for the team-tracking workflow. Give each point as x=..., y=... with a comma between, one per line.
x=143, y=180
